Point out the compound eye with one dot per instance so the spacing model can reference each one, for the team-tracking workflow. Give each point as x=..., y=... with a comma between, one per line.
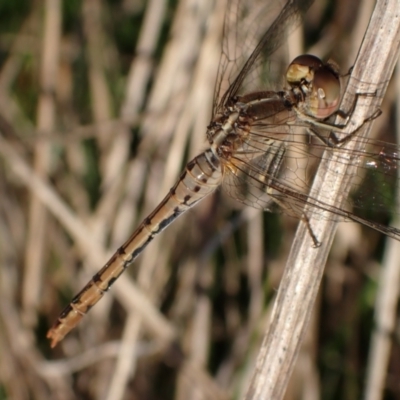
x=325, y=93
x=302, y=68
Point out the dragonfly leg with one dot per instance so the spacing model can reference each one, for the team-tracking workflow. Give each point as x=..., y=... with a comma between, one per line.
x=333, y=140
x=300, y=215
x=305, y=219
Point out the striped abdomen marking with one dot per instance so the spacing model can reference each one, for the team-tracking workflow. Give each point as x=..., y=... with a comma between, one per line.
x=201, y=177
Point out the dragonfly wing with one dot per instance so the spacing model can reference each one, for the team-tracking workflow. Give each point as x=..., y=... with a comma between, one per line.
x=253, y=30
x=276, y=163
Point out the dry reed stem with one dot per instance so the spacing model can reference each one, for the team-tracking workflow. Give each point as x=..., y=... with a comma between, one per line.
x=300, y=284
x=36, y=235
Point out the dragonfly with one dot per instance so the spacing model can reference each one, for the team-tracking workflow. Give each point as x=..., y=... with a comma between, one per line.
x=263, y=145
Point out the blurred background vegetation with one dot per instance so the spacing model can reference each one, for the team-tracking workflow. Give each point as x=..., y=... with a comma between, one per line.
x=102, y=102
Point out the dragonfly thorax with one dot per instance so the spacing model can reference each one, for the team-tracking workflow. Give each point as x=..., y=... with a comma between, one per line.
x=219, y=130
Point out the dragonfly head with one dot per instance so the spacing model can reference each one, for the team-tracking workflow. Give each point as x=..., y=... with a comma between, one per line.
x=318, y=83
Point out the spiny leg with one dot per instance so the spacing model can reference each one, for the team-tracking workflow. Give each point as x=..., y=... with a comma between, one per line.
x=333, y=140
x=302, y=215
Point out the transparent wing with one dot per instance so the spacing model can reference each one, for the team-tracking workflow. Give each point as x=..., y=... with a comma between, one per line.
x=279, y=170
x=252, y=32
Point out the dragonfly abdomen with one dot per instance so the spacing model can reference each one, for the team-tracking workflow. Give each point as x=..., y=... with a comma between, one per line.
x=201, y=177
